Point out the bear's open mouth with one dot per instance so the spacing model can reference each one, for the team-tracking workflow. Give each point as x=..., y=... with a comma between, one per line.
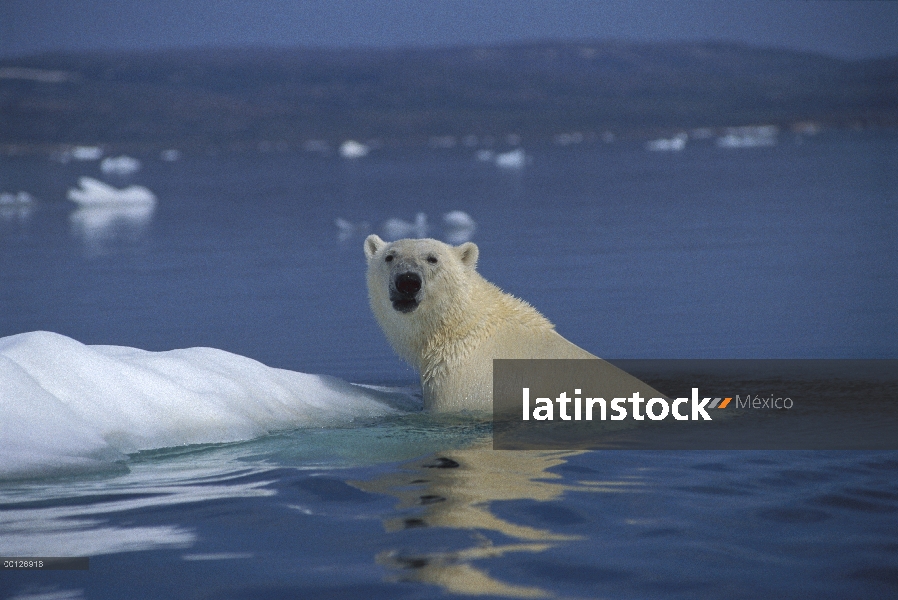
x=404, y=305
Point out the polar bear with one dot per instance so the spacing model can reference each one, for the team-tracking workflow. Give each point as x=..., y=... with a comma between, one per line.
x=448, y=322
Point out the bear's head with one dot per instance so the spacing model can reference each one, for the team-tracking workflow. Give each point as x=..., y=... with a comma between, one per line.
x=419, y=290
x=406, y=275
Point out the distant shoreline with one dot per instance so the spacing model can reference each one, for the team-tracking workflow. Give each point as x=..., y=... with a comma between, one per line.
x=461, y=97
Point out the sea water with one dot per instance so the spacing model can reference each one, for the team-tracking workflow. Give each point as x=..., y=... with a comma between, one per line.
x=247, y=464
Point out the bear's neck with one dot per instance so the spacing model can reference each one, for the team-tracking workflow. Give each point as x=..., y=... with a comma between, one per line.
x=451, y=339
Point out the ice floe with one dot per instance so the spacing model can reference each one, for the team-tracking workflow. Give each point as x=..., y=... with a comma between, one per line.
x=66, y=405
x=119, y=165
x=515, y=159
x=354, y=149
x=458, y=227
x=674, y=144
x=394, y=228
x=749, y=137
x=95, y=192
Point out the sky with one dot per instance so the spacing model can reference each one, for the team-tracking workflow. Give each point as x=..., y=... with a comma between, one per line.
x=845, y=29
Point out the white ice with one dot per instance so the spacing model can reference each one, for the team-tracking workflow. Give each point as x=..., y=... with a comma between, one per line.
x=353, y=149
x=86, y=152
x=94, y=192
x=458, y=219
x=459, y=227
x=515, y=159
x=395, y=229
x=19, y=199
x=120, y=165
x=749, y=137
x=65, y=405
x=674, y=144
x=348, y=229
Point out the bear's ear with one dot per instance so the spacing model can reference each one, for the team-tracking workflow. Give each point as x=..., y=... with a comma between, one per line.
x=467, y=254
x=372, y=244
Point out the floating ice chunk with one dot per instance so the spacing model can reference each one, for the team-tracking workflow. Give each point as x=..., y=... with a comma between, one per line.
x=16, y=207
x=674, y=144
x=86, y=153
x=347, y=229
x=170, y=155
x=353, y=149
x=120, y=165
x=749, y=137
x=77, y=153
x=94, y=192
x=19, y=199
x=67, y=405
x=394, y=229
x=459, y=227
x=516, y=159
x=458, y=218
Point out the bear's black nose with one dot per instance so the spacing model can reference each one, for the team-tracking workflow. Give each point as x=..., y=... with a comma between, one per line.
x=408, y=284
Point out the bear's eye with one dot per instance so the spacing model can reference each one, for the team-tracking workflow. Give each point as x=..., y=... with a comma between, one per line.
x=432, y=260
x=389, y=258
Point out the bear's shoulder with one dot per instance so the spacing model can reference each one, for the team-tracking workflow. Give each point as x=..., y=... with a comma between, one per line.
x=503, y=307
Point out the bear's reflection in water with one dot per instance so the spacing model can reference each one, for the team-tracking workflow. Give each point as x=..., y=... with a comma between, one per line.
x=454, y=490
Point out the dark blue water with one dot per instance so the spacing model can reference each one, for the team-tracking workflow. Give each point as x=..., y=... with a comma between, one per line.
x=780, y=252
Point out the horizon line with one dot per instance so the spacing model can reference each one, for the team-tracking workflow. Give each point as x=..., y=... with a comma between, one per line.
x=536, y=41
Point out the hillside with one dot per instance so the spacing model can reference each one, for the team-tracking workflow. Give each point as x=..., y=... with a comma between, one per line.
x=236, y=99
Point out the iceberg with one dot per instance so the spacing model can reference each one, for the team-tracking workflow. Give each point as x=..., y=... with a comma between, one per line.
x=749, y=137
x=674, y=144
x=458, y=219
x=516, y=159
x=459, y=227
x=354, y=149
x=120, y=165
x=19, y=199
x=16, y=207
x=395, y=229
x=65, y=405
x=94, y=192
x=347, y=229
x=86, y=152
